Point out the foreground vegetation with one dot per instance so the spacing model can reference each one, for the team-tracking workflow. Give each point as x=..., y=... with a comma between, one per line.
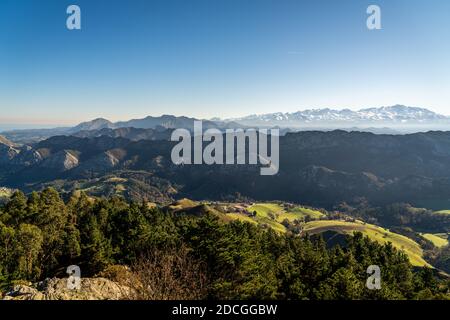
x=285, y=217
x=198, y=254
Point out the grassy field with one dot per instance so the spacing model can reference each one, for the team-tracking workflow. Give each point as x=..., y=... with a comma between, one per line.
x=439, y=240
x=273, y=214
x=381, y=235
x=269, y=215
x=291, y=214
x=442, y=212
x=241, y=217
x=183, y=204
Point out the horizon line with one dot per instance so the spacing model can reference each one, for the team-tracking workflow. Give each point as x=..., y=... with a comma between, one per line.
x=43, y=124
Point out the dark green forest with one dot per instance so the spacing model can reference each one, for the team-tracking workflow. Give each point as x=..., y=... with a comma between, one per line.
x=41, y=234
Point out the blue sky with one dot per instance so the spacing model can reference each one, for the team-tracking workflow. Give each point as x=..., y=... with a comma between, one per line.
x=224, y=58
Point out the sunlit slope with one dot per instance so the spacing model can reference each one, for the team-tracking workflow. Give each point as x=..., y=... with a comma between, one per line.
x=381, y=235
x=438, y=240
x=272, y=215
x=442, y=212
x=281, y=213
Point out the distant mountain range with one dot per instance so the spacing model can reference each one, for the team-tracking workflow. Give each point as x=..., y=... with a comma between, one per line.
x=165, y=121
x=155, y=127
x=393, y=117
x=387, y=120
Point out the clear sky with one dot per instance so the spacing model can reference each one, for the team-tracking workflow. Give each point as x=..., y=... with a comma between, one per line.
x=223, y=58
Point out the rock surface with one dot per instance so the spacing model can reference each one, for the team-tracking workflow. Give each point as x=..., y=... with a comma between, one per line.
x=56, y=289
x=61, y=161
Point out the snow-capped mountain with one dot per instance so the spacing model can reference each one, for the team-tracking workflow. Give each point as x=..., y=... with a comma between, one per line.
x=393, y=115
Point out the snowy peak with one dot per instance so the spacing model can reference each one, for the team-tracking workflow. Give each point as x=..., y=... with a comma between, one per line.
x=399, y=113
x=392, y=114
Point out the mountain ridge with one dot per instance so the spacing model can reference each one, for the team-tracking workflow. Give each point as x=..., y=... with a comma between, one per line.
x=397, y=114
x=157, y=124
x=315, y=168
x=397, y=118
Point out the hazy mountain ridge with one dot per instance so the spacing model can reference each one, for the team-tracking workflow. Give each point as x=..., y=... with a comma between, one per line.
x=134, y=134
x=156, y=123
x=102, y=126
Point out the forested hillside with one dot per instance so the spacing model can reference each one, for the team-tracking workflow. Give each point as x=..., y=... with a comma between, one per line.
x=199, y=255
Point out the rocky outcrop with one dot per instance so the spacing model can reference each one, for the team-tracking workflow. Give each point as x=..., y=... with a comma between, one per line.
x=7, y=153
x=6, y=142
x=56, y=289
x=5, y=194
x=100, y=163
x=61, y=161
x=28, y=157
x=8, y=150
